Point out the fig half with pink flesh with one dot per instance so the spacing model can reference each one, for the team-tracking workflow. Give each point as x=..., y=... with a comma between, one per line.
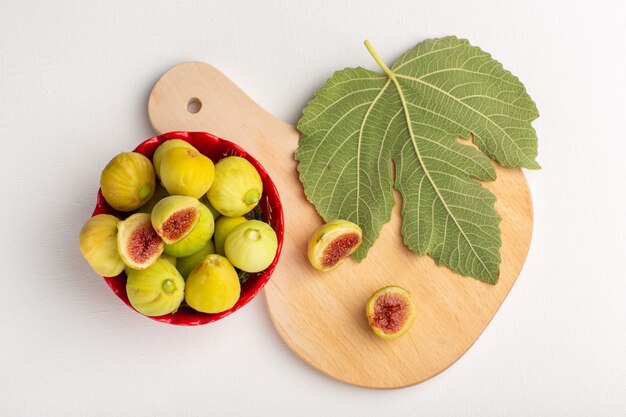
x=196, y=239
x=390, y=312
x=138, y=243
x=174, y=217
x=332, y=243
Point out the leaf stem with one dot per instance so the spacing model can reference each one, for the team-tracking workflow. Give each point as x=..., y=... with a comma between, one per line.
x=379, y=60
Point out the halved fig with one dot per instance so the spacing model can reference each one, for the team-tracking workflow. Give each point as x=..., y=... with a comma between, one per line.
x=137, y=242
x=390, y=312
x=174, y=217
x=196, y=239
x=332, y=243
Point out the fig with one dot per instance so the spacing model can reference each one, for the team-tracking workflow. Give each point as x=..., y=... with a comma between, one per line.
x=171, y=259
x=196, y=239
x=127, y=182
x=213, y=285
x=174, y=217
x=332, y=243
x=186, y=264
x=390, y=312
x=206, y=202
x=162, y=150
x=251, y=246
x=98, y=244
x=186, y=172
x=237, y=187
x=137, y=242
x=157, y=290
x=223, y=226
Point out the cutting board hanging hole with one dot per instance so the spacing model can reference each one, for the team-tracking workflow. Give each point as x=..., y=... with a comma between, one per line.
x=194, y=105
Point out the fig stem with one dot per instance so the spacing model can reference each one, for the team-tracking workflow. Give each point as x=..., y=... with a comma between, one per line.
x=168, y=286
x=251, y=196
x=144, y=192
x=253, y=234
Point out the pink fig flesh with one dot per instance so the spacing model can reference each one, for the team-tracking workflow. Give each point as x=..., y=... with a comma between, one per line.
x=340, y=248
x=143, y=244
x=179, y=224
x=174, y=217
x=138, y=243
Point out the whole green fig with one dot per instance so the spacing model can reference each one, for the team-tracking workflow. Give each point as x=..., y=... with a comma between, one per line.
x=164, y=148
x=186, y=264
x=127, y=182
x=98, y=244
x=251, y=246
x=213, y=285
x=237, y=187
x=223, y=226
x=157, y=290
x=186, y=172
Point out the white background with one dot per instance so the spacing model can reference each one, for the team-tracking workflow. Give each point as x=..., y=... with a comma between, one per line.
x=74, y=82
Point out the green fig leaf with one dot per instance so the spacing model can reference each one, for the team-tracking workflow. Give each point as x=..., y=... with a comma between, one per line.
x=363, y=127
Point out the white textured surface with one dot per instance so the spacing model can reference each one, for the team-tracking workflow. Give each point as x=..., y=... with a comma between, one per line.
x=74, y=82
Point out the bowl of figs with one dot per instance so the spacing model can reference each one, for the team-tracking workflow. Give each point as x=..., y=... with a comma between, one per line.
x=187, y=228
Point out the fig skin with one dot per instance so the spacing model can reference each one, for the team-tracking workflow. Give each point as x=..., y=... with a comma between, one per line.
x=332, y=243
x=164, y=148
x=205, y=200
x=186, y=264
x=171, y=259
x=213, y=285
x=186, y=172
x=98, y=244
x=159, y=194
x=196, y=239
x=237, y=187
x=165, y=212
x=390, y=313
x=138, y=244
x=127, y=182
x=223, y=226
x=251, y=246
x=157, y=290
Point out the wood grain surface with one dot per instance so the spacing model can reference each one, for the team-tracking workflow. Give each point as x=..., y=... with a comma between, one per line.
x=321, y=316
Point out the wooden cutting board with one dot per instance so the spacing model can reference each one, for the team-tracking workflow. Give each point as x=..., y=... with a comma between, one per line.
x=321, y=316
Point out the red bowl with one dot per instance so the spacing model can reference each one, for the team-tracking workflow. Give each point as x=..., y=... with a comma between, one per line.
x=270, y=205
